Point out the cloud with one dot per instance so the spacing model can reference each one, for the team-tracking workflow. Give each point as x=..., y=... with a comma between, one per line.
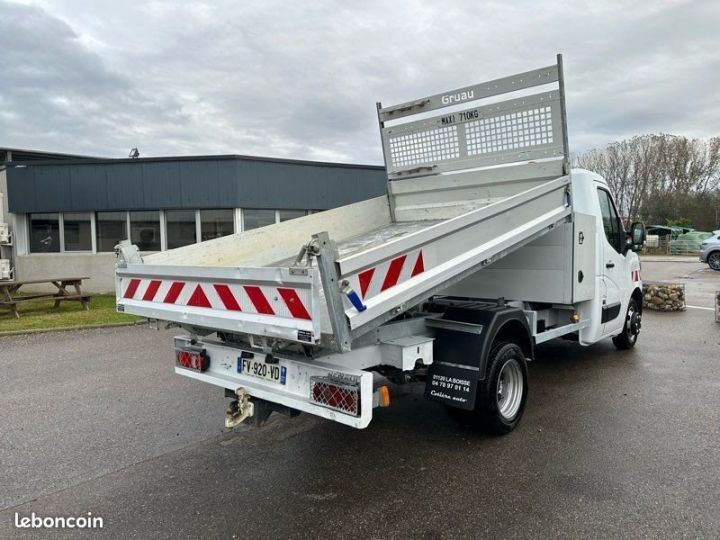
x=300, y=79
x=59, y=95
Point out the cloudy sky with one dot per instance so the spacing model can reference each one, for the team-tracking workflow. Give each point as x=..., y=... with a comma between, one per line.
x=300, y=79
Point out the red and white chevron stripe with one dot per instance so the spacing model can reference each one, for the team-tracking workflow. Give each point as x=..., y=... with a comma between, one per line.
x=382, y=277
x=260, y=299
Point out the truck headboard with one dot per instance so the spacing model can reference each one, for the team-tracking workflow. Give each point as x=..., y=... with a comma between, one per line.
x=526, y=133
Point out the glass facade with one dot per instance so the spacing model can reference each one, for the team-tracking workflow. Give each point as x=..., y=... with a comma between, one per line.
x=287, y=215
x=44, y=233
x=145, y=230
x=111, y=228
x=216, y=223
x=254, y=218
x=77, y=231
x=180, y=228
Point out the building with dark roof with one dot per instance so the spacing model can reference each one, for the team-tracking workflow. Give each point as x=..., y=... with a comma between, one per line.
x=67, y=214
x=19, y=154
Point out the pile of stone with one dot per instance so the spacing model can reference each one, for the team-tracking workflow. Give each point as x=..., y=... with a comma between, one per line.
x=662, y=296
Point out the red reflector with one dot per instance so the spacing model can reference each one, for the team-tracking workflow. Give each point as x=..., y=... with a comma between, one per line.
x=198, y=361
x=336, y=395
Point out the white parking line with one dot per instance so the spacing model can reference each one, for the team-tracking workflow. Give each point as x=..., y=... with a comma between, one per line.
x=700, y=307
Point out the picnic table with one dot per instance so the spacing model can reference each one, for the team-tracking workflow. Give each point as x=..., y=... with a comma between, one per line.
x=8, y=290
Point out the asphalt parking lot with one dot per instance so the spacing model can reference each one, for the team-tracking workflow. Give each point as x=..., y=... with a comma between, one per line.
x=613, y=444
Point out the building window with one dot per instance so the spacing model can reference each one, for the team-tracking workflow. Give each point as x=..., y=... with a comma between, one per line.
x=180, y=228
x=111, y=229
x=77, y=231
x=287, y=215
x=216, y=223
x=44, y=233
x=145, y=230
x=254, y=218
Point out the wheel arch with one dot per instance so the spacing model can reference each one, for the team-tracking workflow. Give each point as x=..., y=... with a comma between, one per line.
x=462, y=353
x=637, y=295
x=516, y=331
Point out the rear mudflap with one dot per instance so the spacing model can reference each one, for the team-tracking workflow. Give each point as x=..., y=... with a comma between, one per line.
x=452, y=384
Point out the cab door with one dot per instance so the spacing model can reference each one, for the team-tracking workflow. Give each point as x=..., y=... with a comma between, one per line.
x=612, y=265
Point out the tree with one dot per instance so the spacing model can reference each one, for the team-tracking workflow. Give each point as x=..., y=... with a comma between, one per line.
x=660, y=177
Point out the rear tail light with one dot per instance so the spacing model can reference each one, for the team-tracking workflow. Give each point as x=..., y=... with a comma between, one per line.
x=199, y=361
x=338, y=395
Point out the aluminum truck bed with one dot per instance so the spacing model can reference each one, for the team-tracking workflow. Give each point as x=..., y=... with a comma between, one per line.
x=465, y=188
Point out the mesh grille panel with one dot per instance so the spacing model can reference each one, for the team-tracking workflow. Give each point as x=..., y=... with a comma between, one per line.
x=432, y=145
x=509, y=131
x=514, y=131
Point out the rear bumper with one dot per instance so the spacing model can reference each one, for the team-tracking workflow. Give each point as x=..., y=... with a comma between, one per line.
x=297, y=388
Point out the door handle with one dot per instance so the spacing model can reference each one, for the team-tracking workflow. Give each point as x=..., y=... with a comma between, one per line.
x=609, y=265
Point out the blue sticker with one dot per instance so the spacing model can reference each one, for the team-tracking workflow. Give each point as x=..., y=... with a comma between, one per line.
x=283, y=374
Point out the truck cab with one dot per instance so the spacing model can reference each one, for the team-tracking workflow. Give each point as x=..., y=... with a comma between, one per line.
x=617, y=271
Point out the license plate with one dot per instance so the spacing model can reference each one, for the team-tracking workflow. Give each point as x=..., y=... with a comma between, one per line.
x=258, y=368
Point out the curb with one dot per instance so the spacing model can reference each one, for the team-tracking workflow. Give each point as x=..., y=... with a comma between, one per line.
x=670, y=259
x=70, y=328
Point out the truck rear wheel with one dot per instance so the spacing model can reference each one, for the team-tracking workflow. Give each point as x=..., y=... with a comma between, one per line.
x=501, y=402
x=631, y=329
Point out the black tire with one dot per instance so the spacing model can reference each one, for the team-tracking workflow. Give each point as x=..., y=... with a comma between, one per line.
x=631, y=328
x=506, y=359
x=713, y=260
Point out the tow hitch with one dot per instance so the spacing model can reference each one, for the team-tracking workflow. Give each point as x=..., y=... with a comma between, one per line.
x=240, y=409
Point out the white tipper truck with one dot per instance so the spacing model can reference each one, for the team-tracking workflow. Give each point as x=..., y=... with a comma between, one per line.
x=486, y=244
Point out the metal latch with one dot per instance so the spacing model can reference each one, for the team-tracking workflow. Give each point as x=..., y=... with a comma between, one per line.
x=407, y=107
x=127, y=253
x=426, y=169
x=310, y=249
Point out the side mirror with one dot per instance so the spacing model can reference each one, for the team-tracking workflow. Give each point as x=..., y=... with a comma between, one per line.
x=637, y=236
